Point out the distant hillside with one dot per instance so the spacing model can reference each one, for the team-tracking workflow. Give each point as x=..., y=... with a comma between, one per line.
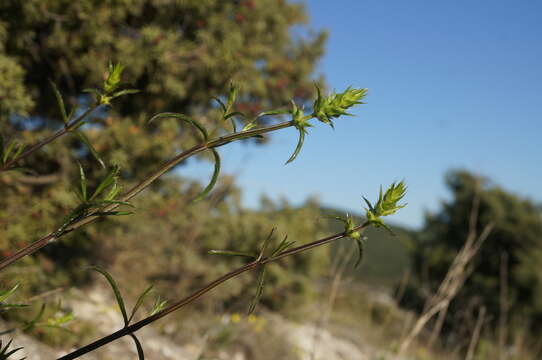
x=386, y=257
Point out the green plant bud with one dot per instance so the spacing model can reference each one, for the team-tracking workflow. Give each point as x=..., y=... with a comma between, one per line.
x=298, y=117
x=335, y=105
x=113, y=79
x=354, y=235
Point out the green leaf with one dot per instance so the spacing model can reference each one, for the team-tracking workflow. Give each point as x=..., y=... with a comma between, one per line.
x=360, y=242
x=266, y=244
x=140, y=354
x=282, y=246
x=95, y=92
x=32, y=323
x=59, y=321
x=60, y=103
x=259, y=291
x=232, y=96
x=212, y=183
x=235, y=113
x=20, y=149
x=12, y=306
x=113, y=79
x=112, y=213
x=232, y=120
x=8, y=151
x=252, y=124
x=101, y=203
x=124, y=92
x=4, y=353
x=185, y=118
x=139, y=302
x=232, y=253
x=116, y=291
x=222, y=105
x=91, y=148
x=298, y=147
x=83, y=183
x=110, y=179
x=76, y=214
x=5, y=294
x=158, y=306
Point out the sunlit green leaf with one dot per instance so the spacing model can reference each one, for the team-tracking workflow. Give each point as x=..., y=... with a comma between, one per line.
x=158, y=306
x=90, y=147
x=231, y=253
x=60, y=102
x=139, y=302
x=259, y=291
x=106, y=182
x=214, y=178
x=83, y=183
x=116, y=291
x=298, y=147
x=185, y=118
x=124, y=92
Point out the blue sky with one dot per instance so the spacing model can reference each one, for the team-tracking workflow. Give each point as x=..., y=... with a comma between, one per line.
x=452, y=84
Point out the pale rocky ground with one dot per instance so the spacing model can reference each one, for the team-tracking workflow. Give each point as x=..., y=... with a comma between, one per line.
x=94, y=306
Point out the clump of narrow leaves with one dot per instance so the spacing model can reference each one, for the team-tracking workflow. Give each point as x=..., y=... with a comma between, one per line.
x=111, y=85
x=387, y=204
x=5, y=294
x=103, y=97
x=227, y=108
x=283, y=245
x=57, y=321
x=94, y=203
x=9, y=152
x=158, y=306
x=5, y=352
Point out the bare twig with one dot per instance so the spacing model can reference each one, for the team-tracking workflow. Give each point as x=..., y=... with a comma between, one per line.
x=458, y=272
x=66, y=129
x=476, y=333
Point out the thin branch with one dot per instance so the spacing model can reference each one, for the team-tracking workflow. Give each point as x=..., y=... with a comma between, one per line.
x=220, y=141
x=66, y=129
x=197, y=294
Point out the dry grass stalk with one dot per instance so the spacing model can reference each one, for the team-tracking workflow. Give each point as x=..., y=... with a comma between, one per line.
x=459, y=271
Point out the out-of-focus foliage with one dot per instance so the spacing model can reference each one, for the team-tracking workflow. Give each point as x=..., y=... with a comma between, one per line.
x=517, y=233
x=179, y=236
x=179, y=54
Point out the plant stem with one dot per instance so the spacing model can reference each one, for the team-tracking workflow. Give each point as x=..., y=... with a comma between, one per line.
x=197, y=294
x=50, y=139
x=220, y=141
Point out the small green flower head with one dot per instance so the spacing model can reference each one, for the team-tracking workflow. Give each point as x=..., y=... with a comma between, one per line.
x=387, y=203
x=349, y=227
x=113, y=79
x=335, y=105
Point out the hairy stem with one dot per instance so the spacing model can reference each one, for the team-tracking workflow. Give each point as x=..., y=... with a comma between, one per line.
x=220, y=141
x=66, y=129
x=197, y=294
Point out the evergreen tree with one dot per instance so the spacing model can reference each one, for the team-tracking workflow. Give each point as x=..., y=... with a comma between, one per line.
x=178, y=53
x=516, y=236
